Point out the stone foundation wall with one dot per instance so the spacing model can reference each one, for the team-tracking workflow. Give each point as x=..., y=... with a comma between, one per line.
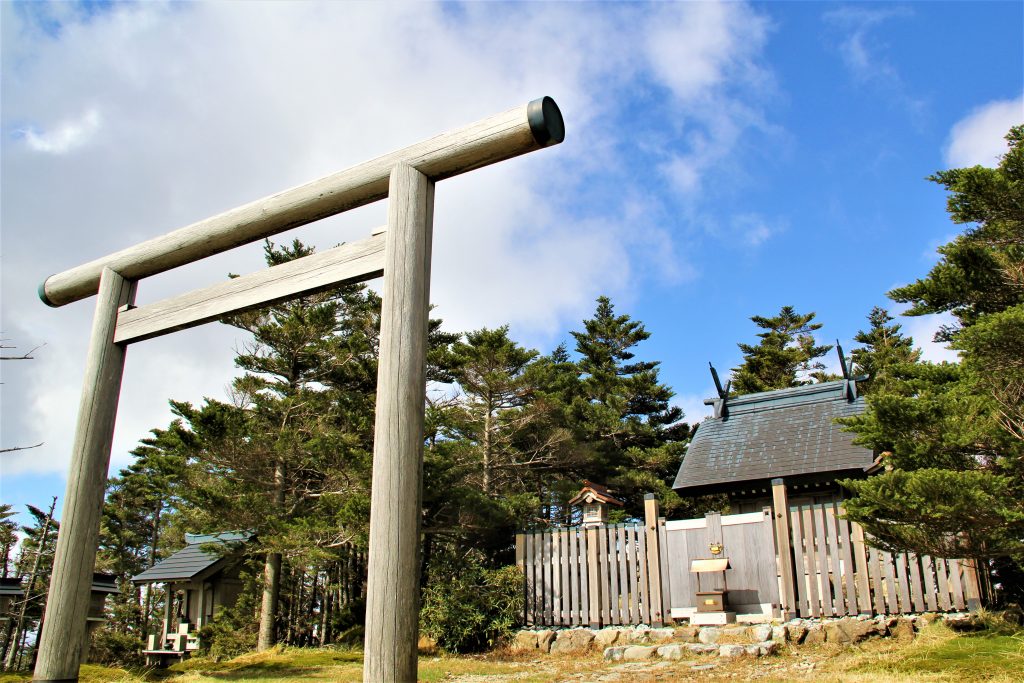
x=642, y=642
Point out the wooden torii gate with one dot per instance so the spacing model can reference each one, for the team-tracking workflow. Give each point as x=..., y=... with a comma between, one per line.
x=401, y=253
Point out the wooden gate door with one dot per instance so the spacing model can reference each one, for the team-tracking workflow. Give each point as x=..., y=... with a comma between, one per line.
x=748, y=541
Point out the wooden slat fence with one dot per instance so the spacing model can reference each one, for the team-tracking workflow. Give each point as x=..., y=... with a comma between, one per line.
x=838, y=574
x=559, y=565
x=623, y=574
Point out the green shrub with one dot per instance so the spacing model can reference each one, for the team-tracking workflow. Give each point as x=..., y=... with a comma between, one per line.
x=110, y=648
x=472, y=608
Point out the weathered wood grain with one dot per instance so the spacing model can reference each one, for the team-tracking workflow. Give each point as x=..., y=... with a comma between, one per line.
x=60, y=649
x=848, y=566
x=863, y=575
x=485, y=142
x=784, y=547
x=348, y=263
x=392, y=602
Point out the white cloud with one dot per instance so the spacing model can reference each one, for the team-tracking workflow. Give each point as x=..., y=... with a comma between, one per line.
x=176, y=112
x=865, y=55
x=703, y=54
x=979, y=137
x=923, y=328
x=65, y=136
x=862, y=54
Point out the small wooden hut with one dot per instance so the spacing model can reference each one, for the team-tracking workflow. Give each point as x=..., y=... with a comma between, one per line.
x=200, y=578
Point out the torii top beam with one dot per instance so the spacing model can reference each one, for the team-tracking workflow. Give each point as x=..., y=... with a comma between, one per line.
x=527, y=128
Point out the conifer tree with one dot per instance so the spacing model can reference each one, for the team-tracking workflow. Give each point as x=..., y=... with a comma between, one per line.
x=622, y=415
x=951, y=432
x=885, y=348
x=785, y=357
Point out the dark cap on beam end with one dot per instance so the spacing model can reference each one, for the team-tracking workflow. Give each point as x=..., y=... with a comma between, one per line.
x=42, y=294
x=546, y=122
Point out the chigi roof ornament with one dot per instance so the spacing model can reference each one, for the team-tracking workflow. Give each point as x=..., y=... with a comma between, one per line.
x=723, y=394
x=850, y=386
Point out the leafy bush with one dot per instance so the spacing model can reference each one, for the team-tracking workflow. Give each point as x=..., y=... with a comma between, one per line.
x=110, y=648
x=472, y=608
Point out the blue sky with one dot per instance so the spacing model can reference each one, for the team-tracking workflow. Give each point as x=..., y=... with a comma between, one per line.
x=720, y=161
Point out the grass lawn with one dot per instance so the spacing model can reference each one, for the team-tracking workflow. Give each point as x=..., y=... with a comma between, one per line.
x=937, y=654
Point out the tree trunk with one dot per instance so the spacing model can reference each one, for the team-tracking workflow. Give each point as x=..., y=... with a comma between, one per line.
x=487, y=451
x=153, y=539
x=271, y=576
x=11, y=653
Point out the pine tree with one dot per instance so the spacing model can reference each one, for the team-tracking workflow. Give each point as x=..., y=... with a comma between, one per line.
x=622, y=414
x=885, y=349
x=785, y=357
x=952, y=432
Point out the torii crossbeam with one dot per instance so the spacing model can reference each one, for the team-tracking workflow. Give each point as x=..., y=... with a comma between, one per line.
x=401, y=253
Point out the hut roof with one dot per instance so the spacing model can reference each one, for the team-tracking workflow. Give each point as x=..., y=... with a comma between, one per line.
x=11, y=586
x=195, y=560
x=591, y=492
x=787, y=433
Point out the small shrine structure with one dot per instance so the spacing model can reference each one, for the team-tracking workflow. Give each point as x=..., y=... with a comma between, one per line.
x=594, y=500
x=787, y=437
x=200, y=578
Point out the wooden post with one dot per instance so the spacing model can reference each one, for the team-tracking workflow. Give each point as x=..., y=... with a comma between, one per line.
x=653, y=558
x=594, y=587
x=392, y=602
x=167, y=615
x=780, y=502
x=68, y=603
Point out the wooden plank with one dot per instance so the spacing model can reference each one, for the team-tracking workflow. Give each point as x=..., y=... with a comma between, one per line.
x=825, y=585
x=972, y=585
x=863, y=573
x=784, y=548
x=605, y=581
x=567, y=583
x=574, y=578
x=584, y=576
x=891, y=594
x=916, y=594
x=643, y=585
x=955, y=585
x=849, y=570
x=556, y=578
x=348, y=263
x=943, y=584
x=523, y=129
x=903, y=582
x=666, y=576
x=807, y=531
x=832, y=538
x=614, y=568
x=521, y=563
x=803, y=601
x=931, y=591
x=623, y=575
x=392, y=601
x=633, y=603
x=549, y=583
x=539, y=586
x=71, y=579
x=877, y=581
x=654, y=559
x=594, y=577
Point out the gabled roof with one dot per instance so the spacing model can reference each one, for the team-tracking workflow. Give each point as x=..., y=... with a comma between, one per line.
x=789, y=433
x=11, y=586
x=192, y=561
x=591, y=492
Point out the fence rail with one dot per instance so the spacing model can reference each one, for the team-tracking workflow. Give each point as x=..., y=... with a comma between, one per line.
x=622, y=574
